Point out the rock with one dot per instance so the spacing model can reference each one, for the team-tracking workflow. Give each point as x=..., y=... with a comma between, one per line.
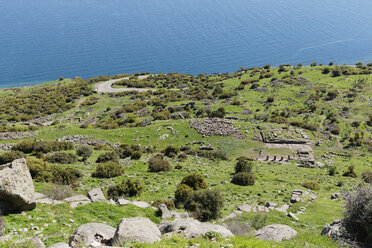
x=137, y=229
x=77, y=198
x=165, y=213
x=2, y=226
x=35, y=241
x=245, y=208
x=123, y=202
x=5, y=238
x=60, y=245
x=140, y=204
x=38, y=196
x=79, y=203
x=192, y=228
x=92, y=233
x=96, y=195
x=275, y=232
x=292, y=215
x=49, y=201
x=16, y=187
x=335, y=196
x=271, y=204
x=335, y=231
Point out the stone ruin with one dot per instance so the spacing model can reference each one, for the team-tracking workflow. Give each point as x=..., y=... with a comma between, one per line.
x=215, y=126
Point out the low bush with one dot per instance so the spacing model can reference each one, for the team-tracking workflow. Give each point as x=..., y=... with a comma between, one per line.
x=42, y=146
x=358, y=214
x=243, y=179
x=171, y=151
x=36, y=166
x=182, y=193
x=130, y=187
x=107, y=156
x=136, y=155
x=168, y=202
x=195, y=180
x=62, y=158
x=332, y=170
x=350, y=172
x=58, y=191
x=205, y=204
x=244, y=164
x=10, y=156
x=158, y=164
x=311, y=185
x=108, y=170
x=84, y=151
x=367, y=176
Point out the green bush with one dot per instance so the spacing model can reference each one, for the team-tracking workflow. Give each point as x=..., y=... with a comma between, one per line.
x=212, y=235
x=332, y=170
x=350, y=172
x=36, y=166
x=195, y=181
x=205, y=204
x=130, y=187
x=107, y=156
x=158, y=164
x=10, y=156
x=357, y=215
x=136, y=155
x=84, y=151
x=244, y=164
x=367, y=176
x=168, y=202
x=62, y=158
x=108, y=170
x=66, y=176
x=311, y=185
x=171, y=151
x=182, y=193
x=42, y=146
x=243, y=178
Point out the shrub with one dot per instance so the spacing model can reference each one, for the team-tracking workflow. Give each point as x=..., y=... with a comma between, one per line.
x=60, y=175
x=62, y=158
x=136, y=155
x=168, y=202
x=350, y=172
x=332, y=170
x=171, y=151
x=212, y=235
x=36, y=166
x=130, y=187
x=244, y=164
x=205, y=205
x=195, y=181
x=311, y=185
x=259, y=221
x=270, y=99
x=84, y=151
x=10, y=156
x=58, y=191
x=108, y=170
x=24, y=146
x=367, y=176
x=158, y=164
x=107, y=156
x=182, y=157
x=357, y=215
x=182, y=193
x=243, y=178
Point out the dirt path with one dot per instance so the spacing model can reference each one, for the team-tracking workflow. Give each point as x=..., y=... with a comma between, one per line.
x=106, y=87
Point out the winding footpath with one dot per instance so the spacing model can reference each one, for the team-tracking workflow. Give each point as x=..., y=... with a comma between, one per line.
x=106, y=87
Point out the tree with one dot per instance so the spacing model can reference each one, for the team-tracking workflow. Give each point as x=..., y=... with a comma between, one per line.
x=84, y=151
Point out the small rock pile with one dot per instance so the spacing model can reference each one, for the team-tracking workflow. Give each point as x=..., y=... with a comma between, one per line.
x=16, y=135
x=85, y=140
x=6, y=146
x=298, y=195
x=214, y=126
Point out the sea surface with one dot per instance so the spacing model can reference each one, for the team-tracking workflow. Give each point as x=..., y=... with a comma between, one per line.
x=41, y=40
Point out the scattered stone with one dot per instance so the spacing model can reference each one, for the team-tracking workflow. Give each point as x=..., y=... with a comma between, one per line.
x=245, y=208
x=49, y=201
x=164, y=136
x=271, y=205
x=275, y=232
x=38, y=196
x=335, y=231
x=5, y=238
x=292, y=215
x=140, y=204
x=335, y=196
x=214, y=126
x=16, y=135
x=96, y=195
x=60, y=245
x=166, y=214
x=92, y=233
x=137, y=229
x=192, y=228
x=123, y=202
x=77, y=198
x=35, y=240
x=16, y=187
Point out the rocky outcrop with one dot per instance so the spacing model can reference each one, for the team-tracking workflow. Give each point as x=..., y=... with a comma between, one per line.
x=166, y=214
x=96, y=195
x=16, y=187
x=92, y=234
x=77, y=200
x=334, y=230
x=212, y=126
x=275, y=232
x=192, y=228
x=137, y=229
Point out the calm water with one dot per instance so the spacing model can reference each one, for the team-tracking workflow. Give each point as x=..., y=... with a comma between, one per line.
x=41, y=40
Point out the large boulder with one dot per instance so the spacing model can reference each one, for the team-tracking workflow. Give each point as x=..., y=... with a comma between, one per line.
x=96, y=195
x=335, y=230
x=275, y=232
x=137, y=229
x=94, y=234
x=192, y=228
x=16, y=187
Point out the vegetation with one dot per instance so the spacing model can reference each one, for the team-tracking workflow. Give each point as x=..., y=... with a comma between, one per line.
x=108, y=170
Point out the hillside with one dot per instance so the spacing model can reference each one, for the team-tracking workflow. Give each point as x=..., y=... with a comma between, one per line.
x=299, y=134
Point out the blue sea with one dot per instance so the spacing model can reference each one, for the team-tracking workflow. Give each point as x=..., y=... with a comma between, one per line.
x=41, y=40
